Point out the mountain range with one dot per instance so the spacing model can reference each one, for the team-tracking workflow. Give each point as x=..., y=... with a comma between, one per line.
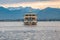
x=17, y=13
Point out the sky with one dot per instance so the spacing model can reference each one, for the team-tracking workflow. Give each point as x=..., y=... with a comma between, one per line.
x=41, y=4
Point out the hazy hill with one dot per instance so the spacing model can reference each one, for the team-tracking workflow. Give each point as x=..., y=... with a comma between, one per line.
x=16, y=13
x=49, y=13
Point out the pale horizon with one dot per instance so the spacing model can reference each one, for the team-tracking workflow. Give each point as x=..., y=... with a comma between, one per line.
x=37, y=4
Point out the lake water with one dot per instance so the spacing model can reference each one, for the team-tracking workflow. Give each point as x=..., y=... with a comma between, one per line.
x=18, y=31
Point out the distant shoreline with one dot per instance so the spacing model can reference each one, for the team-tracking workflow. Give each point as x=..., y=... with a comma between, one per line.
x=23, y=20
